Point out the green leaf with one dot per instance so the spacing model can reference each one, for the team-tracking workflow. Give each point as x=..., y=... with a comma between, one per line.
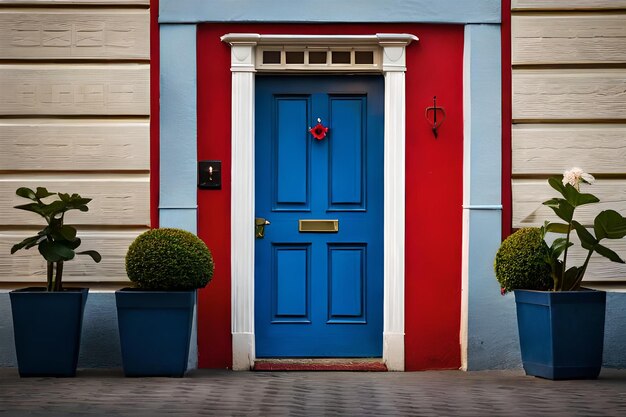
x=68, y=232
x=34, y=207
x=55, y=251
x=609, y=224
x=608, y=253
x=24, y=243
x=55, y=208
x=79, y=201
x=556, y=267
x=26, y=193
x=557, y=228
x=558, y=247
x=557, y=184
x=64, y=197
x=561, y=208
x=586, y=239
x=582, y=199
x=574, y=197
x=570, y=279
x=74, y=243
x=94, y=255
x=43, y=193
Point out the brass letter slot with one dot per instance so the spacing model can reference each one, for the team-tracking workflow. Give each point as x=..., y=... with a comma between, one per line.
x=319, y=226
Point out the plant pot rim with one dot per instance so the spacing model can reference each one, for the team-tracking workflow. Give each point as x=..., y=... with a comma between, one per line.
x=582, y=289
x=134, y=289
x=40, y=290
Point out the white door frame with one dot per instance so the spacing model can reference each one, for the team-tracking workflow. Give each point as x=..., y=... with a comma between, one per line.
x=243, y=68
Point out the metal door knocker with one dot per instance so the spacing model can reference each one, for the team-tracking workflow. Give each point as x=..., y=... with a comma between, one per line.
x=434, y=122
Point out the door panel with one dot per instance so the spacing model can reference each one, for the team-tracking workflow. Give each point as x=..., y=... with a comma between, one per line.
x=346, y=283
x=291, y=152
x=291, y=283
x=319, y=294
x=346, y=151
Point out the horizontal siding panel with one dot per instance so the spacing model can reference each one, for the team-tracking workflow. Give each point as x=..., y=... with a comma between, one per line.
x=63, y=89
x=29, y=266
x=117, y=199
x=80, y=33
x=529, y=194
x=569, y=94
x=568, y=39
x=49, y=144
x=566, y=4
x=600, y=268
x=551, y=149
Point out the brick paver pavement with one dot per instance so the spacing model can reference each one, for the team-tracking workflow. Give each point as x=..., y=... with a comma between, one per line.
x=226, y=393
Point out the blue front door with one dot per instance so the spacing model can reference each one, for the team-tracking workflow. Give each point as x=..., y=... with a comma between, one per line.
x=319, y=293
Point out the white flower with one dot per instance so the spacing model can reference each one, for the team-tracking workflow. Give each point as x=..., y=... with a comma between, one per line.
x=575, y=176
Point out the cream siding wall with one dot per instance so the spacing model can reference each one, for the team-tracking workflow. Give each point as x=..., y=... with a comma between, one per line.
x=569, y=109
x=74, y=117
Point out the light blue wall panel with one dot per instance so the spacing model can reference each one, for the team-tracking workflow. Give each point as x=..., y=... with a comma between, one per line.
x=492, y=321
x=492, y=331
x=614, y=355
x=483, y=115
x=7, y=342
x=182, y=218
x=178, y=134
x=325, y=11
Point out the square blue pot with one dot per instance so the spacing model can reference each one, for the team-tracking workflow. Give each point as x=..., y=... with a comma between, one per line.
x=561, y=333
x=47, y=328
x=155, y=330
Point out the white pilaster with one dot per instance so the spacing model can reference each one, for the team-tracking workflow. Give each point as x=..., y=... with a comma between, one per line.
x=242, y=204
x=394, y=66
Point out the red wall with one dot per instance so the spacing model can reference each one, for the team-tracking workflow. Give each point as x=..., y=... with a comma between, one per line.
x=433, y=187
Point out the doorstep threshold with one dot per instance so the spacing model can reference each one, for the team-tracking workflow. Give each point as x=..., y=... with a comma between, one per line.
x=320, y=364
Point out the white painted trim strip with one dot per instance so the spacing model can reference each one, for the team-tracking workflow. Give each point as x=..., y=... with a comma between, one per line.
x=178, y=207
x=318, y=40
x=482, y=207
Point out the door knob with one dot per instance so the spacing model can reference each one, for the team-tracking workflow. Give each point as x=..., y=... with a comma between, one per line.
x=260, y=224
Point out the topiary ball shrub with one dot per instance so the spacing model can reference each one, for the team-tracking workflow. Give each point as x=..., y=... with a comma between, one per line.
x=520, y=262
x=169, y=259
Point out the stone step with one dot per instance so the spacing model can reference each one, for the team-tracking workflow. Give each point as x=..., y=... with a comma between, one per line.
x=325, y=364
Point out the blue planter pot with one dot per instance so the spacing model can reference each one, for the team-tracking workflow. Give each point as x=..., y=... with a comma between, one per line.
x=155, y=329
x=47, y=328
x=561, y=333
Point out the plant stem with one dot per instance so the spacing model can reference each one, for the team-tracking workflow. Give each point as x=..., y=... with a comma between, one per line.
x=581, y=272
x=58, y=286
x=49, y=276
x=569, y=231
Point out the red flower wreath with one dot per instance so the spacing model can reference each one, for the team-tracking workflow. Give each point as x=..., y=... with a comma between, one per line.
x=319, y=131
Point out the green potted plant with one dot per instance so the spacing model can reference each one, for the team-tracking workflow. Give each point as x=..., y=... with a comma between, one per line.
x=155, y=317
x=47, y=322
x=561, y=325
